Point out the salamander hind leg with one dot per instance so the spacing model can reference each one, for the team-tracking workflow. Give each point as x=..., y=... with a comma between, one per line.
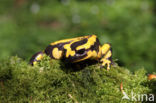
x=36, y=58
x=106, y=56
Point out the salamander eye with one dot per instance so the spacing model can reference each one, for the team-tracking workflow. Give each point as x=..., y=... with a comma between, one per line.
x=80, y=52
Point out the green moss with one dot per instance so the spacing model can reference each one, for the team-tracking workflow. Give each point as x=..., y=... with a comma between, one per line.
x=51, y=81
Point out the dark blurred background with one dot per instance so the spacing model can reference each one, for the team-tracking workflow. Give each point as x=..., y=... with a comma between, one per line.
x=28, y=26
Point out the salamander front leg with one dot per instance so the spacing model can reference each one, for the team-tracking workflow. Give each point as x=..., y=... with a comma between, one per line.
x=106, y=56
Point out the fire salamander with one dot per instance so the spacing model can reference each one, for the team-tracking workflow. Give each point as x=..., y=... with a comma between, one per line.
x=77, y=49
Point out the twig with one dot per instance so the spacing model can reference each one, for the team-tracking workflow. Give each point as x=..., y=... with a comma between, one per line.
x=70, y=96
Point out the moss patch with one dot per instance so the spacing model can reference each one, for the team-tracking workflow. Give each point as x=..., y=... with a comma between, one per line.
x=51, y=81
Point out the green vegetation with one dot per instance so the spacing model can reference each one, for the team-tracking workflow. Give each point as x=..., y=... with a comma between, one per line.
x=51, y=81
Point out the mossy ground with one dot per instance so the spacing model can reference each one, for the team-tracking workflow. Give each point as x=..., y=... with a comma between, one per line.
x=51, y=81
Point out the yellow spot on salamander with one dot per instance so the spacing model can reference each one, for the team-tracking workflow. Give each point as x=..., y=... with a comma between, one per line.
x=57, y=54
x=39, y=57
x=35, y=62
